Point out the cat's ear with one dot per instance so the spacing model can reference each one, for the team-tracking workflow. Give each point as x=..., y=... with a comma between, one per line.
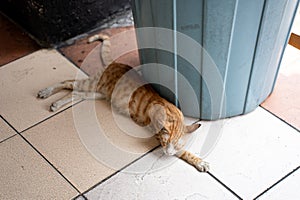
x=158, y=116
x=191, y=128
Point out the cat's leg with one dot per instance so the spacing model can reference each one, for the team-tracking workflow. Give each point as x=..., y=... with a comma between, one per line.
x=75, y=96
x=46, y=92
x=194, y=160
x=171, y=149
x=63, y=101
x=84, y=85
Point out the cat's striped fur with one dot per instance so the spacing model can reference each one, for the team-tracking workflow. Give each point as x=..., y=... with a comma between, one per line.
x=124, y=88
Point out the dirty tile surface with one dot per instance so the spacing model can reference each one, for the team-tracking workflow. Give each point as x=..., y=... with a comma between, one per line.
x=73, y=143
x=158, y=177
x=26, y=175
x=284, y=101
x=15, y=43
x=5, y=130
x=21, y=80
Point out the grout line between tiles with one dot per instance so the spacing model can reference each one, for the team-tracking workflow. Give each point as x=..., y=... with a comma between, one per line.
x=8, y=138
x=37, y=151
x=276, y=183
x=50, y=163
x=50, y=116
x=80, y=195
x=280, y=118
x=3, y=65
x=118, y=171
x=62, y=54
x=71, y=61
x=230, y=190
x=16, y=132
x=9, y=124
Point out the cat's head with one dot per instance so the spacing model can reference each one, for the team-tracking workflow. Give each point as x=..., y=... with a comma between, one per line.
x=168, y=122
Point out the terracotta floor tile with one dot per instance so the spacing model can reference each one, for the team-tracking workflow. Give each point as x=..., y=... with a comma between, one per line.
x=22, y=79
x=73, y=142
x=15, y=43
x=5, y=130
x=86, y=55
x=284, y=101
x=26, y=175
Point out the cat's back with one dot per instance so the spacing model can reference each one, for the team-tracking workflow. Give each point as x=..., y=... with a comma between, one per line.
x=110, y=76
x=118, y=82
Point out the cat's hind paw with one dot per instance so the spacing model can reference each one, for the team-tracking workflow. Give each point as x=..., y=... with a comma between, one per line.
x=54, y=107
x=203, y=166
x=44, y=93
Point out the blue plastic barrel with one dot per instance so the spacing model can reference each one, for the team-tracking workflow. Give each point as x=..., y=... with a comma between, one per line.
x=244, y=39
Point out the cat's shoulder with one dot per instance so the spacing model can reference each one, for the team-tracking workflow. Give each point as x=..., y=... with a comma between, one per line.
x=118, y=66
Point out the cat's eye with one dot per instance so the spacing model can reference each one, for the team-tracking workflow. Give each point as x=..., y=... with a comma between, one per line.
x=164, y=130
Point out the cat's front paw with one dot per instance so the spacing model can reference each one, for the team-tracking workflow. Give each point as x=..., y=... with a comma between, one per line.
x=54, y=107
x=44, y=93
x=203, y=166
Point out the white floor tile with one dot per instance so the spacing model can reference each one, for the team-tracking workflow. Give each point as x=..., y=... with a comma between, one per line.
x=287, y=189
x=73, y=142
x=253, y=152
x=5, y=130
x=21, y=80
x=158, y=177
x=26, y=175
x=296, y=24
x=79, y=198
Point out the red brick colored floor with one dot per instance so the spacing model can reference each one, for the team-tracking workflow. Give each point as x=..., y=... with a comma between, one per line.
x=86, y=55
x=15, y=43
x=284, y=101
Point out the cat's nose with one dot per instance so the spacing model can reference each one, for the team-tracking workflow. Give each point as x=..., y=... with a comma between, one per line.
x=170, y=150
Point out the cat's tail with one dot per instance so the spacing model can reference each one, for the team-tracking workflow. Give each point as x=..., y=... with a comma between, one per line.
x=105, y=51
x=193, y=160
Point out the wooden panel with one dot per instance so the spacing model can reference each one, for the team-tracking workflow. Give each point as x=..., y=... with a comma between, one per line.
x=295, y=40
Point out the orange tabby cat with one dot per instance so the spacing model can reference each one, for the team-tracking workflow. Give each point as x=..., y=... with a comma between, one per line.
x=124, y=88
